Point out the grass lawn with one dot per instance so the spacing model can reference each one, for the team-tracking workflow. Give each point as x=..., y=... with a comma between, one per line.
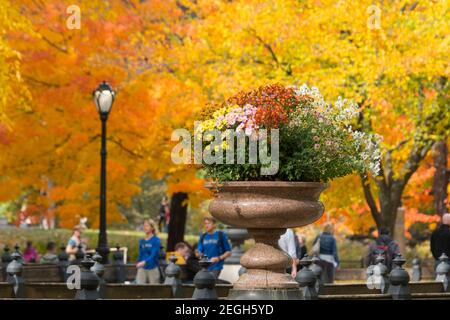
x=40, y=237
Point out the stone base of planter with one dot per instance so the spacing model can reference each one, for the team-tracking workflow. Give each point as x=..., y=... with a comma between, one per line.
x=265, y=279
x=266, y=264
x=265, y=294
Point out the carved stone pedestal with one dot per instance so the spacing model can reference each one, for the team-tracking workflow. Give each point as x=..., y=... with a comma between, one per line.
x=266, y=209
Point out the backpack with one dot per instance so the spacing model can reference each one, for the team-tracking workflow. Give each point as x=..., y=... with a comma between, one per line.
x=386, y=250
x=219, y=241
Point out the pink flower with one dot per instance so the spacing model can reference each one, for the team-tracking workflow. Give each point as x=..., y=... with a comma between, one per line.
x=231, y=119
x=250, y=127
x=241, y=118
x=219, y=120
x=249, y=110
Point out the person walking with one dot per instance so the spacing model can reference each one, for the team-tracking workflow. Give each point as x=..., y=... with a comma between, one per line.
x=287, y=244
x=74, y=242
x=440, y=239
x=167, y=216
x=214, y=245
x=164, y=214
x=324, y=246
x=300, y=245
x=383, y=245
x=300, y=248
x=148, y=258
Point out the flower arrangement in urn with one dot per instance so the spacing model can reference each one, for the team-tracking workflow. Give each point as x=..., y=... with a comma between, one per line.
x=269, y=153
x=317, y=141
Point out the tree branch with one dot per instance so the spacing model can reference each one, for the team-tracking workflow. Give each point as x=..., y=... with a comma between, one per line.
x=369, y=199
x=269, y=48
x=47, y=84
x=54, y=45
x=274, y=57
x=416, y=155
x=129, y=151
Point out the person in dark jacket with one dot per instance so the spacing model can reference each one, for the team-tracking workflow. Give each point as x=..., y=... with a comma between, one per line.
x=440, y=239
x=300, y=247
x=192, y=266
x=328, y=254
x=163, y=219
x=383, y=245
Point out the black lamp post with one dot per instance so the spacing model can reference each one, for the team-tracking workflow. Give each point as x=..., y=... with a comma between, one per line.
x=104, y=98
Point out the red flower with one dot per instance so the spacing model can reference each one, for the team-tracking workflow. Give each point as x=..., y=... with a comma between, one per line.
x=273, y=103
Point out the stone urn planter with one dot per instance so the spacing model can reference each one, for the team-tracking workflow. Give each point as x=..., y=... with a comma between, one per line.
x=266, y=209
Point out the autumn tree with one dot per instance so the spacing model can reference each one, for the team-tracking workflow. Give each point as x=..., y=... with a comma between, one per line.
x=169, y=58
x=373, y=56
x=12, y=88
x=55, y=137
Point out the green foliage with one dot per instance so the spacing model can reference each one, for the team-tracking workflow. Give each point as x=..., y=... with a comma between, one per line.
x=144, y=204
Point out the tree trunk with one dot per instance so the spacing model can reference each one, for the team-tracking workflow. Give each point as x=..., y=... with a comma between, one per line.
x=440, y=182
x=177, y=223
x=390, y=201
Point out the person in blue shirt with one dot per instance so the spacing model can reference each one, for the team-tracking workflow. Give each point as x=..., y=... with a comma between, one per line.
x=214, y=245
x=148, y=258
x=74, y=242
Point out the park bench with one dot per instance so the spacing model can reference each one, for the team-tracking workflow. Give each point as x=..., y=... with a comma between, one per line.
x=6, y=290
x=380, y=296
x=361, y=288
x=59, y=290
x=419, y=290
x=371, y=296
x=51, y=273
x=355, y=274
x=48, y=291
x=359, y=291
x=32, y=285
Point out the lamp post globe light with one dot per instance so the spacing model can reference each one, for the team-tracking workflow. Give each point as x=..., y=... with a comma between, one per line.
x=104, y=98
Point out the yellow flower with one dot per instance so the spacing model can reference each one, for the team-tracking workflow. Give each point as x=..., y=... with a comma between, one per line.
x=208, y=125
x=220, y=112
x=224, y=145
